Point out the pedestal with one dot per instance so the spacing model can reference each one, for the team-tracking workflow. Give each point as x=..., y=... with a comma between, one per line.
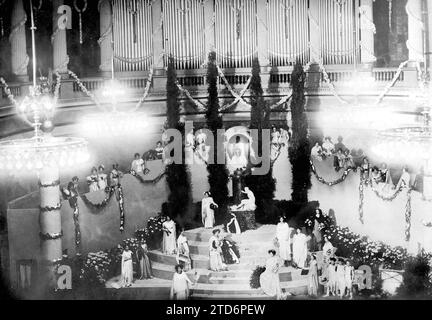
x=246, y=220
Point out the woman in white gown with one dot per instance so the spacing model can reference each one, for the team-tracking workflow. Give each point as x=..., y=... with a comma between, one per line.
x=215, y=251
x=102, y=178
x=137, y=164
x=169, y=237
x=207, y=210
x=180, y=285
x=269, y=279
x=300, y=249
x=283, y=236
x=183, y=253
x=126, y=268
x=92, y=180
x=237, y=161
x=249, y=203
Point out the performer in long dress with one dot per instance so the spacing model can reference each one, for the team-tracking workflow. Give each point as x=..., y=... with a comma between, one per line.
x=144, y=261
x=237, y=161
x=233, y=225
x=340, y=276
x=328, y=250
x=269, y=279
x=283, y=236
x=247, y=204
x=404, y=180
x=300, y=249
x=180, y=285
x=275, y=136
x=92, y=180
x=331, y=278
x=349, y=278
x=137, y=164
x=102, y=178
x=169, y=237
x=183, y=252
x=115, y=176
x=313, y=277
x=230, y=253
x=215, y=250
x=207, y=210
x=126, y=268
x=316, y=152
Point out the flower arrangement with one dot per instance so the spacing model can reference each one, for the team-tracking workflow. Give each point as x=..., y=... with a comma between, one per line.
x=96, y=268
x=364, y=251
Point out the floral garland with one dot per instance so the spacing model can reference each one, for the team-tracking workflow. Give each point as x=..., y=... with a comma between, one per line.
x=330, y=183
x=388, y=198
x=121, y=207
x=141, y=180
x=408, y=213
x=361, y=199
x=50, y=209
x=8, y=91
x=83, y=88
x=96, y=208
x=55, y=183
x=50, y=236
x=73, y=202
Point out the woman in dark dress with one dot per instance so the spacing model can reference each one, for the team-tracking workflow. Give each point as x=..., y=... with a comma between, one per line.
x=230, y=252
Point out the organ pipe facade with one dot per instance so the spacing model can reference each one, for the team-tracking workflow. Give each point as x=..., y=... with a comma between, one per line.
x=320, y=30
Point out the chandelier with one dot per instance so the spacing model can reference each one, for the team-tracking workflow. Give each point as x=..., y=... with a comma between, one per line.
x=45, y=155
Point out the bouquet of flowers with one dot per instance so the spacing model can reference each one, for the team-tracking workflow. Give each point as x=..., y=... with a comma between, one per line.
x=96, y=268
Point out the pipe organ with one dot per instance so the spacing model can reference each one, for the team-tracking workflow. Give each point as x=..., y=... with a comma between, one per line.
x=288, y=32
x=339, y=25
x=236, y=32
x=133, y=35
x=320, y=30
x=184, y=33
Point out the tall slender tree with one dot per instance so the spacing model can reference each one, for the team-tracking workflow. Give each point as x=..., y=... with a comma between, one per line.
x=217, y=173
x=263, y=186
x=178, y=178
x=299, y=151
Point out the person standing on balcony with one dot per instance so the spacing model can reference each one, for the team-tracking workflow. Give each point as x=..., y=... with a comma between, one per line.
x=137, y=164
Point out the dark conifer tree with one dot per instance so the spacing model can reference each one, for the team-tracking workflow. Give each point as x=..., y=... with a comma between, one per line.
x=299, y=151
x=178, y=178
x=217, y=173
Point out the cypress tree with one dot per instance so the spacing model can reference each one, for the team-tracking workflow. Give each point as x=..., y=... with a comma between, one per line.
x=262, y=186
x=177, y=175
x=299, y=151
x=217, y=173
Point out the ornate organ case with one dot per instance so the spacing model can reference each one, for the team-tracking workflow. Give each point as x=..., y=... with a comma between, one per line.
x=295, y=30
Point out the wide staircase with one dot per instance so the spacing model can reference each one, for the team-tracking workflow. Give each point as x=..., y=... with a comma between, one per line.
x=234, y=283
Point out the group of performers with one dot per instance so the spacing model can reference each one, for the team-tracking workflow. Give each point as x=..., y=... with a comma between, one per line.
x=222, y=251
x=97, y=180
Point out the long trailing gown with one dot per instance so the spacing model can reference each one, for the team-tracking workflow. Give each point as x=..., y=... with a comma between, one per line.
x=300, y=249
x=180, y=286
x=233, y=225
x=229, y=252
x=313, y=278
x=126, y=269
x=340, y=279
x=145, y=267
x=283, y=235
x=215, y=252
x=102, y=181
x=169, y=239
x=92, y=181
x=207, y=213
x=269, y=279
x=183, y=253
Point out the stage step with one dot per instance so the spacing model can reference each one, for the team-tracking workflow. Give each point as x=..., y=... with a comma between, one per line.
x=230, y=280
x=217, y=296
x=198, y=261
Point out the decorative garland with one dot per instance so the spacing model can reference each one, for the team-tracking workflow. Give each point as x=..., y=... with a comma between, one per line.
x=141, y=180
x=73, y=202
x=80, y=12
x=408, y=213
x=57, y=87
x=50, y=236
x=50, y=209
x=83, y=88
x=2, y=31
x=361, y=199
x=392, y=83
x=388, y=198
x=52, y=184
x=96, y=208
x=330, y=183
x=121, y=207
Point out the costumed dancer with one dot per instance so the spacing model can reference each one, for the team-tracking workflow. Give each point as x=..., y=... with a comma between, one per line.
x=313, y=277
x=180, y=284
x=269, y=279
x=102, y=178
x=126, y=268
x=115, y=176
x=144, y=261
x=215, y=250
x=300, y=248
x=349, y=278
x=137, y=164
x=229, y=252
x=169, y=237
x=331, y=277
x=183, y=252
x=283, y=236
x=340, y=276
x=233, y=225
x=92, y=180
x=207, y=210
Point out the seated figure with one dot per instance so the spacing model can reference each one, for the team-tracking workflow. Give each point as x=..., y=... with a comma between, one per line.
x=246, y=204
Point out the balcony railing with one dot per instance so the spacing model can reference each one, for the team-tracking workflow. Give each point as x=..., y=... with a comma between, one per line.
x=273, y=80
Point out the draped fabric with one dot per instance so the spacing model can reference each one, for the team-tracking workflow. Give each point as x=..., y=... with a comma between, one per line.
x=184, y=33
x=339, y=25
x=288, y=32
x=236, y=32
x=133, y=35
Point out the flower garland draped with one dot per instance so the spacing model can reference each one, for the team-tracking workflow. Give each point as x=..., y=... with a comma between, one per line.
x=141, y=179
x=330, y=183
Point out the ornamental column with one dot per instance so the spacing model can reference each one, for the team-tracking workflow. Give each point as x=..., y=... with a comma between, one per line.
x=262, y=25
x=415, y=30
x=50, y=215
x=315, y=32
x=58, y=40
x=209, y=24
x=158, y=39
x=105, y=40
x=429, y=14
x=368, y=31
x=17, y=38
